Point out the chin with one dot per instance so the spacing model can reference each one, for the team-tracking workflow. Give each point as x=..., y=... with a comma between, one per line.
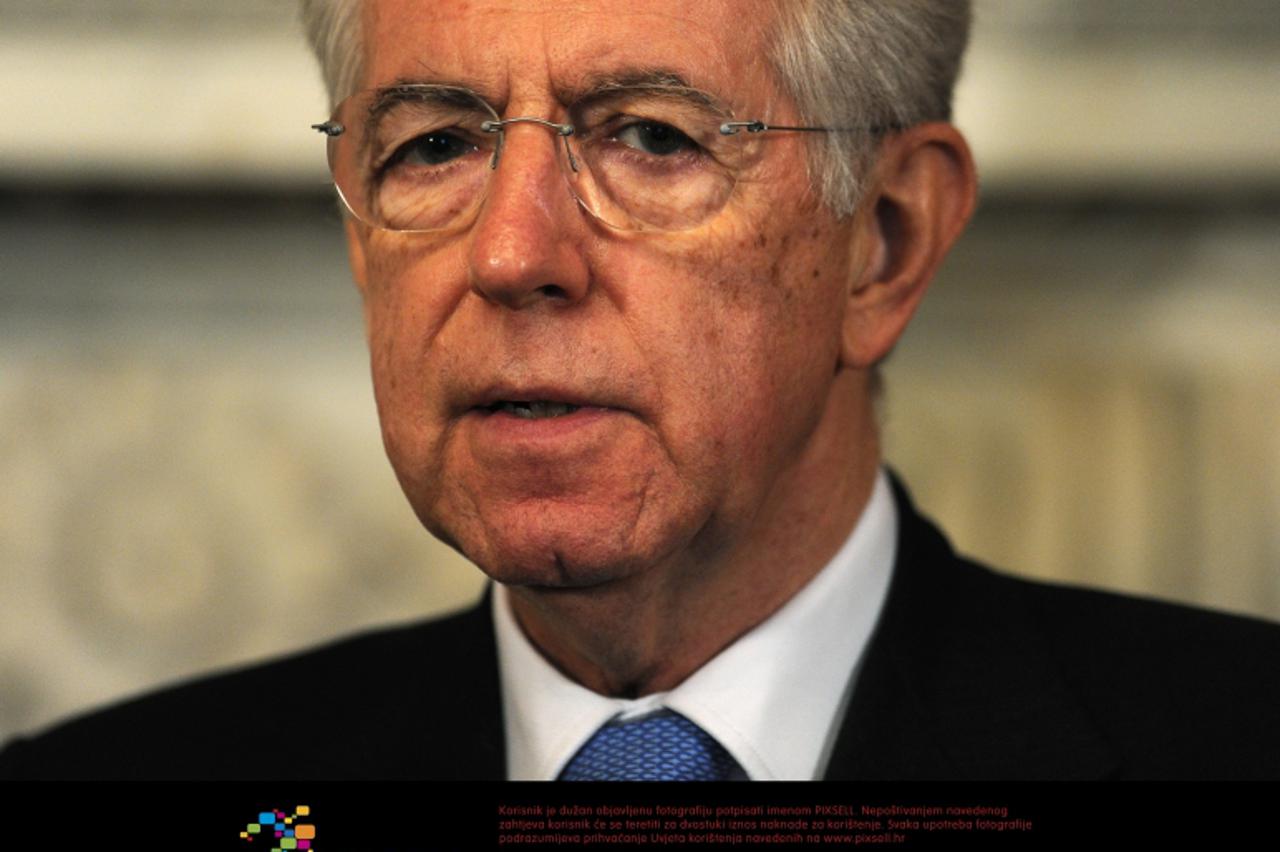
x=566, y=559
x=556, y=546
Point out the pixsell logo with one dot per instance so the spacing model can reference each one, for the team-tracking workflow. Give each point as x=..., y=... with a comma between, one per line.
x=283, y=831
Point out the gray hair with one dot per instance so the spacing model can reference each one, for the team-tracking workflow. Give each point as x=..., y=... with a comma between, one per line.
x=867, y=66
x=335, y=31
x=860, y=65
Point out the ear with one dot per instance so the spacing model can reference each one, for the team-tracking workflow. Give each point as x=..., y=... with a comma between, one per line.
x=922, y=191
x=355, y=255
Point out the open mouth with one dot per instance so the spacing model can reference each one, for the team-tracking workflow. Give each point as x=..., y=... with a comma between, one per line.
x=531, y=409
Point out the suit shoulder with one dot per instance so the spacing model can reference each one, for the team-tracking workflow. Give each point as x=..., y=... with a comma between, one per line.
x=243, y=723
x=1084, y=621
x=1180, y=691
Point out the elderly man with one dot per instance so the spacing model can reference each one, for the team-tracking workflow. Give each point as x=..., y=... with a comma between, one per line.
x=628, y=268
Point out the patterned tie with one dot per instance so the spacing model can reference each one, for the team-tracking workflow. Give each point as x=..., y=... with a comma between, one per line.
x=664, y=746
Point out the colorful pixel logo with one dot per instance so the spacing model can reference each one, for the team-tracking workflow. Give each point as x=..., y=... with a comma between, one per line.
x=284, y=830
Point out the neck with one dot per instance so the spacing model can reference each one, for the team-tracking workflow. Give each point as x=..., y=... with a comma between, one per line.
x=649, y=631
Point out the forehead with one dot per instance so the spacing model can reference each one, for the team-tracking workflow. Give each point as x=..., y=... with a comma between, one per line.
x=513, y=49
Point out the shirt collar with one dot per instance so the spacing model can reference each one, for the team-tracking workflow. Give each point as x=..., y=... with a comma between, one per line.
x=773, y=699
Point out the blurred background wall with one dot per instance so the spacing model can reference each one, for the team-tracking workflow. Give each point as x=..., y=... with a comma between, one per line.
x=192, y=473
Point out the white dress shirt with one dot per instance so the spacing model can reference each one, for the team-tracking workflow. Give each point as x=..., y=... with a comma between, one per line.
x=774, y=698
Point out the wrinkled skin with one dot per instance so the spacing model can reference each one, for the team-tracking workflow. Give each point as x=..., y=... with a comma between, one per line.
x=725, y=444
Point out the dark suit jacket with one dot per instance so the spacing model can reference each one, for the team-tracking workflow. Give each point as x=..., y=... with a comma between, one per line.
x=969, y=675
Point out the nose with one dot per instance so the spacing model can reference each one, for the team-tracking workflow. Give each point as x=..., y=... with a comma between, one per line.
x=527, y=244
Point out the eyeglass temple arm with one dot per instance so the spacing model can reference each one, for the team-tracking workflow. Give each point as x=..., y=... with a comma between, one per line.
x=733, y=128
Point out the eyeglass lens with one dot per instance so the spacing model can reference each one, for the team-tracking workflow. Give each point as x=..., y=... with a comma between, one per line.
x=416, y=158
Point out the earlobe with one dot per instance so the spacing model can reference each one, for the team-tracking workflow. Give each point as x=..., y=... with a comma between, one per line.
x=921, y=194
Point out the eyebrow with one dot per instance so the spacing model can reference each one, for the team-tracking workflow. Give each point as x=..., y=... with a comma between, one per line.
x=446, y=94
x=650, y=81
x=655, y=81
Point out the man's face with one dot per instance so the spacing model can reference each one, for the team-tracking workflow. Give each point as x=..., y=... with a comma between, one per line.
x=700, y=361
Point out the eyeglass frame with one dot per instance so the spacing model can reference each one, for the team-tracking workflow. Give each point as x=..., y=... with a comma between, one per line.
x=332, y=129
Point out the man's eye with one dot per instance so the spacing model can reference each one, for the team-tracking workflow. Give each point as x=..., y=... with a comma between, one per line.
x=430, y=149
x=655, y=138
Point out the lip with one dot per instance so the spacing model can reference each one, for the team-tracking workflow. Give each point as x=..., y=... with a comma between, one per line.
x=514, y=448
x=482, y=401
x=495, y=434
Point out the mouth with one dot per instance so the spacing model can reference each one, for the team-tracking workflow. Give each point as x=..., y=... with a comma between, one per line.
x=512, y=427
x=533, y=409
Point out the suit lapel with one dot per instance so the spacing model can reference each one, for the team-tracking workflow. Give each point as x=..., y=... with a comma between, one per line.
x=955, y=683
x=440, y=714
x=465, y=739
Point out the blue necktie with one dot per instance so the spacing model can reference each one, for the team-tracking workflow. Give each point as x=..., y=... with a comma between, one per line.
x=664, y=746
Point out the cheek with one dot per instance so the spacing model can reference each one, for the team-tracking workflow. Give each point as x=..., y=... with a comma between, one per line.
x=407, y=297
x=411, y=285
x=749, y=333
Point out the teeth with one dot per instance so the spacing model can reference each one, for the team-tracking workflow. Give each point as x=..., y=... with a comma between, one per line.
x=535, y=410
